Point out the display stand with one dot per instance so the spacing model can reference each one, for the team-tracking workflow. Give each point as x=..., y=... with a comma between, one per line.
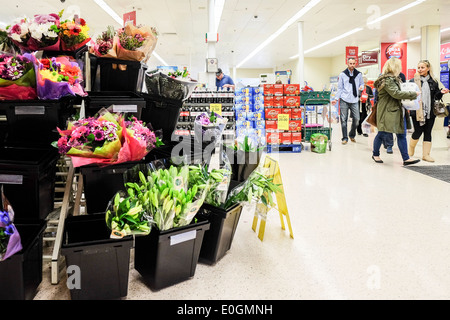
x=261, y=209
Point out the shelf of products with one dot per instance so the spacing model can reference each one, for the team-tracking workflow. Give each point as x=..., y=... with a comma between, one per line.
x=201, y=101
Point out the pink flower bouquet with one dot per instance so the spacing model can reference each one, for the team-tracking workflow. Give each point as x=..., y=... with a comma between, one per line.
x=10, y=242
x=136, y=43
x=17, y=78
x=105, y=46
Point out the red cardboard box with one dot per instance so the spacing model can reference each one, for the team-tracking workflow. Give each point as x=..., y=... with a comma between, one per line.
x=296, y=113
x=291, y=89
x=296, y=137
x=271, y=125
x=268, y=89
x=286, y=138
x=278, y=101
x=268, y=101
x=278, y=89
x=295, y=125
x=272, y=138
x=291, y=101
x=272, y=113
x=287, y=111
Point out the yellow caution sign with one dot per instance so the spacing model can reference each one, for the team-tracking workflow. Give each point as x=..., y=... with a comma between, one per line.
x=261, y=209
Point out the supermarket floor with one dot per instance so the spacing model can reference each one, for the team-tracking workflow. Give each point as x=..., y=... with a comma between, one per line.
x=362, y=230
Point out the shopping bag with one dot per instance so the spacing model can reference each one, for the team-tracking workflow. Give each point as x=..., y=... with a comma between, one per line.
x=372, y=116
x=410, y=104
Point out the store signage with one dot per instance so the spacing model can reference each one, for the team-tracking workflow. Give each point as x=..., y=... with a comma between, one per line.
x=283, y=121
x=391, y=50
x=445, y=51
x=351, y=52
x=216, y=107
x=410, y=74
x=368, y=58
x=129, y=17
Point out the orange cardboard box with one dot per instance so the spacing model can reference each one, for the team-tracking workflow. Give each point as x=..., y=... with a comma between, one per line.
x=268, y=89
x=296, y=113
x=286, y=138
x=291, y=89
x=296, y=137
x=278, y=89
x=272, y=113
x=278, y=101
x=272, y=138
x=292, y=101
x=295, y=125
x=268, y=101
x=271, y=125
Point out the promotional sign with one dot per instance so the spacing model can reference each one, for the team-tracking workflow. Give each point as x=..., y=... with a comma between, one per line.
x=398, y=50
x=368, y=58
x=351, y=52
x=410, y=74
x=445, y=51
x=129, y=17
x=444, y=77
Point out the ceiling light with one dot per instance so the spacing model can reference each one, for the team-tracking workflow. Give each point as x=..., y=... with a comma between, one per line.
x=334, y=39
x=218, y=9
x=445, y=30
x=159, y=58
x=283, y=28
x=390, y=14
x=102, y=4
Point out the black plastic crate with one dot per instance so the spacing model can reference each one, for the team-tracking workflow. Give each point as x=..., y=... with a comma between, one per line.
x=21, y=274
x=184, y=146
x=218, y=239
x=102, y=183
x=118, y=75
x=125, y=102
x=28, y=177
x=165, y=258
x=243, y=163
x=34, y=122
x=103, y=263
x=162, y=114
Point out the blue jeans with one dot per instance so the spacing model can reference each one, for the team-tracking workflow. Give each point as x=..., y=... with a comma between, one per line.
x=354, y=109
x=388, y=140
x=401, y=143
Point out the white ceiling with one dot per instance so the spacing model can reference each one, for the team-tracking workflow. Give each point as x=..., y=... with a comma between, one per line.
x=245, y=24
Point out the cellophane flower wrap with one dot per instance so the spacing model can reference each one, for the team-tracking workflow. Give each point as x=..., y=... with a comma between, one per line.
x=6, y=44
x=136, y=43
x=44, y=33
x=10, y=242
x=93, y=140
x=138, y=140
x=208, y=127
x=17, y=78
x=74, y=34
x=105, y=46
x=58, y=77
x=19, y=33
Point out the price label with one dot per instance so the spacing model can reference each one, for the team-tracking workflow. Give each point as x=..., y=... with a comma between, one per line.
x=283, y=122
x=216, y=107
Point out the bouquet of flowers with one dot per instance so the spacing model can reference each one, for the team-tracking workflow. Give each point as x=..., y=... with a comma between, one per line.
x=175, y=85
x=74, y=33
x=10, y=242
x=57, y=77
x=6, y=44
x=105, y=45
x=136, y=43
x=91, y=140
x=17, y=78
x=19, y=32
x=209, y=127
x=44, y=33
x=106, y=139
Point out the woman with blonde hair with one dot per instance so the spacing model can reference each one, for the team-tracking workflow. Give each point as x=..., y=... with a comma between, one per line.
x=391, y=116
x=423, y=119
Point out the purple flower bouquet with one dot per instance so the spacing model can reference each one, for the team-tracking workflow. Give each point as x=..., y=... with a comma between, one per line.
x=10, y=242
x=209, y=127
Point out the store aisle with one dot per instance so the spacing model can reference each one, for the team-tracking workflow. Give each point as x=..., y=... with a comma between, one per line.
x=362, y=230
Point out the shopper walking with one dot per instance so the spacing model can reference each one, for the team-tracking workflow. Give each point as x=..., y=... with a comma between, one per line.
x=350, y=81
x=364, y=105
x=423, y=119
x=390, y=113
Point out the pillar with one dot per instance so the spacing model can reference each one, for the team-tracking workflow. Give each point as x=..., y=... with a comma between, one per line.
x=211, y=45
x=430, y=50
x=301, y=55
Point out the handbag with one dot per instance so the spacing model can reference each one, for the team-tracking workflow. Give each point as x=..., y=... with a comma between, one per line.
x=364, y=95
x=440, y=109
x=372, y=117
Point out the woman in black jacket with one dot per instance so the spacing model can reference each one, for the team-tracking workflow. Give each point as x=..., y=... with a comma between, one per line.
x=364, y=106
x=423, y=119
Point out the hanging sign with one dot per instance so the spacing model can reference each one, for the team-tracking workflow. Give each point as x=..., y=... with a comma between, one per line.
x=129, y=17
x=445, y=52
x=368, y=58
x=351, y=52
x=397, y=50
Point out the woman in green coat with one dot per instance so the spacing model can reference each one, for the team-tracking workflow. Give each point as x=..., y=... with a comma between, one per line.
x=391, y=116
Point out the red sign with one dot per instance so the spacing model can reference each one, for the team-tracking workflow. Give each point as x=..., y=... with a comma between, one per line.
x=129, y=17
x=398, y=50
x=368, y=58
x=445, y=51
x=351, y=52
x=411, y=73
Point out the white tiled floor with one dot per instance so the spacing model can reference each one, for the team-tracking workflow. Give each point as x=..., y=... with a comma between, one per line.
x=361, y=231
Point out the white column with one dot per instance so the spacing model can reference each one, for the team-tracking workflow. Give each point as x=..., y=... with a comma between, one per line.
x=301, y=55
x=430, y=50
x=211, y=45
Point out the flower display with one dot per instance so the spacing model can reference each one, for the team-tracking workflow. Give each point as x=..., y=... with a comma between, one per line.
x=208, y=127
x=58, y=77
x=74, y=34
x=10, y=242
x=106, y=139
x=19, y=32
x=17, y=78
x=44, y=32
x=136, y=43
x=105, y=44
